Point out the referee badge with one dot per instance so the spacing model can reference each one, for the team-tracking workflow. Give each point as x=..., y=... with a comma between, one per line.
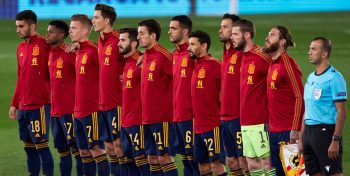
x=317, y=93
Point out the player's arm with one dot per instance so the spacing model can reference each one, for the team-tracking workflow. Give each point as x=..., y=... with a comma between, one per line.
x=296, y=85
x=338, y=90
x=15, y=99
x=300, y=141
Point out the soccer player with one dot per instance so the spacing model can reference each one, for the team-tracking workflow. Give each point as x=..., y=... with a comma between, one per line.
x=62, y=81
x=325, y=98
x=179, y=29
x=205, y=92
x=156, y=98
x=32, y=94
x=230, y=122
x=284, y=93
x=110, y=88
x=253, y=113
x=132, y=136
x=88, y=127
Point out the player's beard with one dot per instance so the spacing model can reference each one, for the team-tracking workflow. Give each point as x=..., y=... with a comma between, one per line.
x=272, y=48
x=26, y=34
x=175, y=39
x=192, y=55
x=241, y=44
x=125, y=50
x=224, y=39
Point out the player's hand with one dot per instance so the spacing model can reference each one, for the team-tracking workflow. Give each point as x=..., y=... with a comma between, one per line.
x=13, y=113
x=333, y=150
x=72, y=47
x=294, y=136
x=139, y=61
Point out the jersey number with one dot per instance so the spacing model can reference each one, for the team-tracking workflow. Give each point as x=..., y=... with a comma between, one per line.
x=209, y=143
x=35, y=126
x=157, y=138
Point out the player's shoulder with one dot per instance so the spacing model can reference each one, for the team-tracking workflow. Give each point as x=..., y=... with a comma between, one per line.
x=92, y=44
x=115, y=33
x=215, y=60
x=257, y=50
x=160, y=49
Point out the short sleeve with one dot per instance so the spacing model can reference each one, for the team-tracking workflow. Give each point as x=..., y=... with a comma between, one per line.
x=338, y=87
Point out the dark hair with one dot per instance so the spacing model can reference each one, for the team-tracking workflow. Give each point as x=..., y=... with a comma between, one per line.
x=132, y=34
x=203, y=37
x=63, y=26
x=153, y=26
x=285, y=34
x=245, y=26
x=185, y=22
x=83, y=19
x=107, y=12
x=233, y=17
x=326, y=44
x=27, y=15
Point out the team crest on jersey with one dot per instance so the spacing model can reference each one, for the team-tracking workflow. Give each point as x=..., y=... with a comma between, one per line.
x=152, y=67
x=184, y=62
x=108, y=50
x=106, y=62
x=84, y=59
x=251, y=68
x=274, y=74
x=233, y=59
x=201, y=73
x=59, y=63
x=129, y=74
x=35, y=50
x=59, y=74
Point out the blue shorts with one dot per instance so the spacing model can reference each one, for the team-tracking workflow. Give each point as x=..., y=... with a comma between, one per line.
x=34, y=124
x=89, y=131
x=112, y=121
x=157, y=137
x=62, y=131
x=183, y=143
x=208, y=147
x=232, y=137
x=133, y=141
x=275, y=139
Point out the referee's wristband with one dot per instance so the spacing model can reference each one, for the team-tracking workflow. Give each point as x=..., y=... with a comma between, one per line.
x=336, y=138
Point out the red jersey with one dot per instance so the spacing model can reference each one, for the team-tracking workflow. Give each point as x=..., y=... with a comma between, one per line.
x=182, y=74
x=230, y=75
x=62, y=80
x=111, y=69
x=205, y=91
x=33, y=81
x=131, y=109
x=86, y=86
x=157, y=86
x=285, y=94
x=255, y=66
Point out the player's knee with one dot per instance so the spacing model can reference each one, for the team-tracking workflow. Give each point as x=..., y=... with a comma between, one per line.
x=266, y=163
x=243, y=162
x=140, y=157
x=254, y=164
x=152, y=159
x=165, y=159
x=218, y=167
x=204, y=168
x=97, y=151
x=232, y=163
x=84, y=153
x=109, y=148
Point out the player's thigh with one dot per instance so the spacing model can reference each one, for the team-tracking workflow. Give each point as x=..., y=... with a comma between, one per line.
x=39, y=124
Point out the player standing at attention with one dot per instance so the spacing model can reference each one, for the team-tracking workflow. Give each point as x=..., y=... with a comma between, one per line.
x=179, y=29
x=88, y=127
x=110, y=88
x=205, y=92
x=132, y=136
x=325, y=98
x=284, y=93
x=230, y=122
x=62, y=81
x=253, y=113
x=32, y=94
x=156, y=98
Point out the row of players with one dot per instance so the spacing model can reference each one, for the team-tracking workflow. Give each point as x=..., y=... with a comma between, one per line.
x=190, y=103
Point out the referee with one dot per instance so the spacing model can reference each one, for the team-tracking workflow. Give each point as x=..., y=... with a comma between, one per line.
x=325, y=98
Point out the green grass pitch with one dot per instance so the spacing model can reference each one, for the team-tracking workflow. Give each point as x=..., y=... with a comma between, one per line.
x=304, y=27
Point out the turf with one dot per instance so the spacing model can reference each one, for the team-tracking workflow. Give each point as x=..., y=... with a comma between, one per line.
x=304, y=27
